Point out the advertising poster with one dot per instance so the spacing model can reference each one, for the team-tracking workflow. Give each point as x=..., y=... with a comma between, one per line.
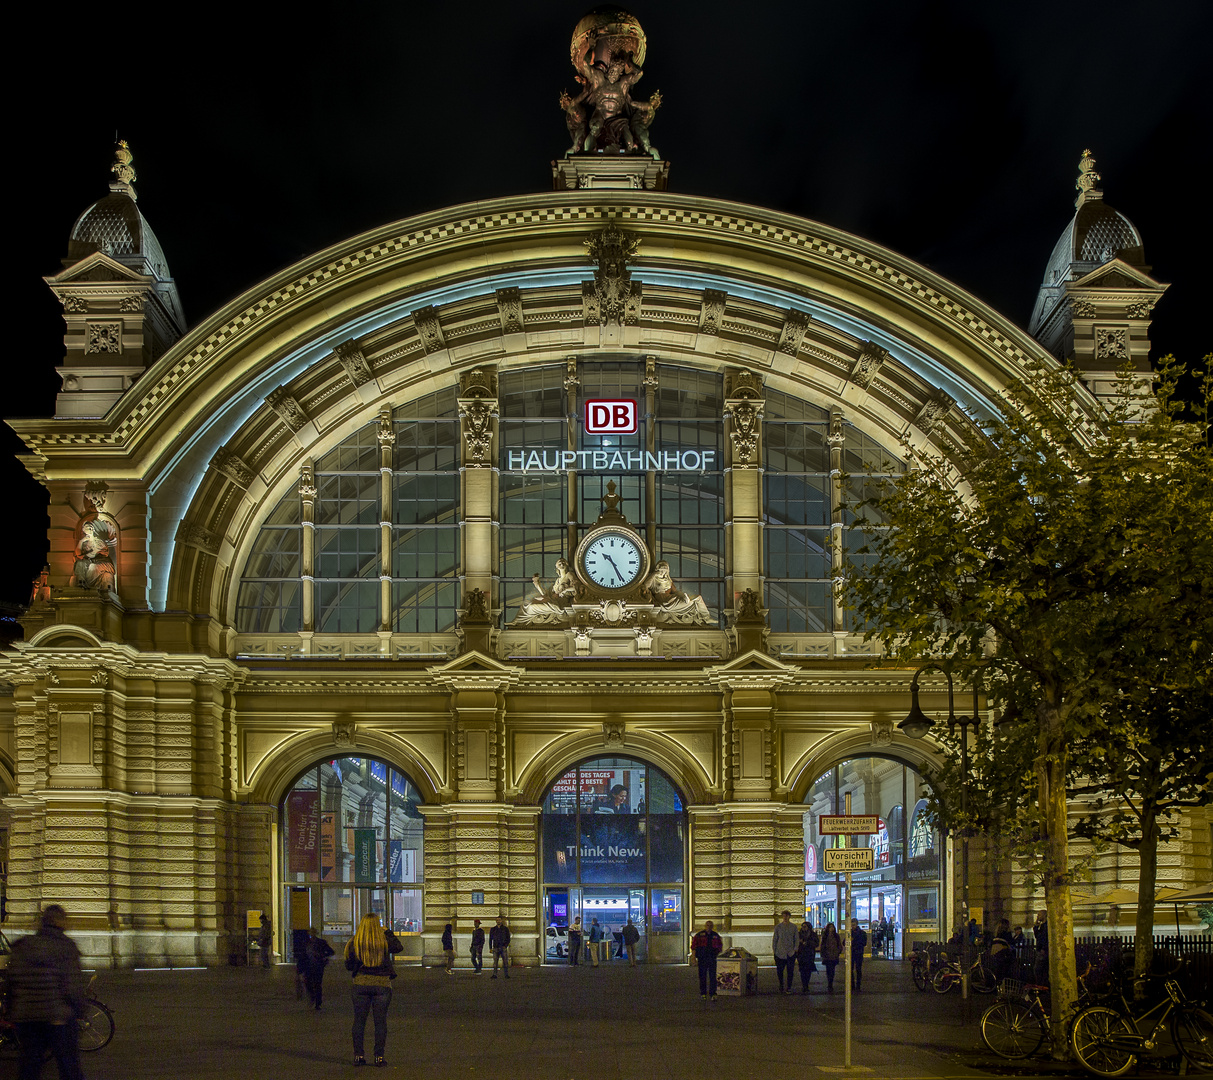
x=303, y=813
x=402, y=862
x=328, y=847
x=364, y=855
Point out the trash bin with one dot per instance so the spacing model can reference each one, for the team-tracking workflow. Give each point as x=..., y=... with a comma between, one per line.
x=737, y=972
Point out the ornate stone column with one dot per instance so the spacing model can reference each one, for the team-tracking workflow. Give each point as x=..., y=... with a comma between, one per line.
x=743, y=408
x=837, y=437
x=307, y=541
x=387, y=440
x=478, y=480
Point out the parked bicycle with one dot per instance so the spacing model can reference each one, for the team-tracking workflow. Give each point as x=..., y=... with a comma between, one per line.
x=1107, y=1039
x=981, y=976
x=925, y=962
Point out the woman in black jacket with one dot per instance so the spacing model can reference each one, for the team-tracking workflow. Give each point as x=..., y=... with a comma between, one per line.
x=368, y=955
x=806, y=950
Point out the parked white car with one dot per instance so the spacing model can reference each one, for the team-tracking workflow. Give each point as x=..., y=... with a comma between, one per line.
x=557, y=941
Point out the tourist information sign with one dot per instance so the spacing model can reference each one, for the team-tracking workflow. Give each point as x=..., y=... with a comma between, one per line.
x=847, y=824
x=849, y=860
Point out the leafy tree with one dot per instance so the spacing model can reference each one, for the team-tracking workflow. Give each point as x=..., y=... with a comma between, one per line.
x=1063, y=555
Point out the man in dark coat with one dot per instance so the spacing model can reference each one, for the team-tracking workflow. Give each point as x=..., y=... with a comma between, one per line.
x=707, y=945
x=46, y=990
x=859, y=941
x=317, y=951
x=499, y=942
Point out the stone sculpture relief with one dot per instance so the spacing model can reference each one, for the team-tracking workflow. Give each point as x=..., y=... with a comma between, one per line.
x=96, y=542
x=550, y=606
x=673, y=606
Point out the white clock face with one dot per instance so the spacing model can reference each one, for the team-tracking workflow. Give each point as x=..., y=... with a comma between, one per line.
x=613, y=561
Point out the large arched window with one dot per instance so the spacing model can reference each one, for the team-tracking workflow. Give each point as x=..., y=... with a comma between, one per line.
x=352, y=843
x=359, y=587
x=798, y=509
x=614, y=849
x=903, y=890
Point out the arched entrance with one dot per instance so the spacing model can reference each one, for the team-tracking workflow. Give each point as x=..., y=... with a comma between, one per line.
x=904, y=888
x=351, y=844
x=614, y=835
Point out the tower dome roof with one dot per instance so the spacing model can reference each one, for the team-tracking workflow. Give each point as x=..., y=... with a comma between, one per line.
x=114, y=226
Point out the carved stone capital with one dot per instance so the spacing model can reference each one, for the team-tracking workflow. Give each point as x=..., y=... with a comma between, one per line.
x=73, y=303
x=96, y=493
x=307, y=482
x=882, y=732
x=613, y=732
x=287, y=408
x=354, y=362
x=477, y=416
x=933, y=412
x=1140, y=310
x=838, y=433
x=386, y=433
x=343, y=734
x=571, y=382
x=1082, y=309
x=479, y=382
x=198, y=537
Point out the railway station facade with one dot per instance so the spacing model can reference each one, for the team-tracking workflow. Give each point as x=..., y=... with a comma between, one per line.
x=304, y=645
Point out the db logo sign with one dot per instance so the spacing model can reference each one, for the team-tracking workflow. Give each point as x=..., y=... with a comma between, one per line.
x=610, y=416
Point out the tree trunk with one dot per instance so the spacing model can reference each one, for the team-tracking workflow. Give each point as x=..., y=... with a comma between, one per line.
x=1147, y=880
x=1063, y=973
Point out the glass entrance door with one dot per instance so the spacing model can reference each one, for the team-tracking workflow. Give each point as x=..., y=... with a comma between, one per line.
x=336, y=909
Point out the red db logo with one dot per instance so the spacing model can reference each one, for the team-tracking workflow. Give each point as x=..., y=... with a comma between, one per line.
x=610, y=416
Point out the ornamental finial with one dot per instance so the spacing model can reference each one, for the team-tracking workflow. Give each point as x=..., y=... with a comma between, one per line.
x=1087, y=179
x=122, y=169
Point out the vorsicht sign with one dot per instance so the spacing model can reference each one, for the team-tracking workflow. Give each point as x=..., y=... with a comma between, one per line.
x=611, y=416
x=849, y=860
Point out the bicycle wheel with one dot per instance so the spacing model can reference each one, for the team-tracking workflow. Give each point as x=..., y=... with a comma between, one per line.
x=1192, y=1030
x=96, y=1026
x=944, y=979
x=1011, y=1029
x=1093, y=1038
x=919, y=973
x=982, y=980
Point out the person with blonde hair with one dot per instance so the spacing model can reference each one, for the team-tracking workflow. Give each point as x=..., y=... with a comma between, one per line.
x=368, y=957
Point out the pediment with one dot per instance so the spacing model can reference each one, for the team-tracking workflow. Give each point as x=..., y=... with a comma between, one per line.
x=475, y=670
x=753, y=668
x=1116, y=274
x=97, y=267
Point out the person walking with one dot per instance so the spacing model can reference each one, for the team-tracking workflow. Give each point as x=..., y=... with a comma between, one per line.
x=806, y=950
x=831, y=950
x=859, y=941
x=316, y=957
x=368, y=957
x=595, y=942
x=299, y=938
x=477, y=947
x=706, y=946
x=448, y=949
x=265, y=939
x=46, y=995
x=783, y=944
x=575, y=941
x=499, y=942
x=1040, y=933
x=630, y=937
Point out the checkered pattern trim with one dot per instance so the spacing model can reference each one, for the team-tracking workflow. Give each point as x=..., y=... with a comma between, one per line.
x=523, y=218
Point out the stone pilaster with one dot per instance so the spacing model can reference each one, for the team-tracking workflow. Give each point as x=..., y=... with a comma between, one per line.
x=743, y=408
x=478, y=475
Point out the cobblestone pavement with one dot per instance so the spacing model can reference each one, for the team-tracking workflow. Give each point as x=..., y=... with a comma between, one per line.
x=609, y=1023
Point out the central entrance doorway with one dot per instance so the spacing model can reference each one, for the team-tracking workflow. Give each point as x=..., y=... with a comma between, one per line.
x=614, y=851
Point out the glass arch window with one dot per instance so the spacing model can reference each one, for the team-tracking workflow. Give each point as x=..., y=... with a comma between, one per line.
x=903, y=889
x=352, y=843
x=799, y=516
x=386, y=534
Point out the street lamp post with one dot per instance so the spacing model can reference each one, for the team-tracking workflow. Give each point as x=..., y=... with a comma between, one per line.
x=916, y=725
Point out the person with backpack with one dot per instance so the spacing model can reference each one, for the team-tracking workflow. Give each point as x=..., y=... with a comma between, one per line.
x=368, y=957
x=630, y=938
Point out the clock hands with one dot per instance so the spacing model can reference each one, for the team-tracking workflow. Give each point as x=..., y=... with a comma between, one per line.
x=618, y=572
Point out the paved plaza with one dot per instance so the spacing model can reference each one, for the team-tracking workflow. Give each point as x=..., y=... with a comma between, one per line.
x=610, y=1023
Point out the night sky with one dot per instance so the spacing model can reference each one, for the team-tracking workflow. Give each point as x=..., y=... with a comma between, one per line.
x=950, y=132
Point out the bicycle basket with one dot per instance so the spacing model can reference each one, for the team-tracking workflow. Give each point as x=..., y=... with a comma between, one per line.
x=1014, y=990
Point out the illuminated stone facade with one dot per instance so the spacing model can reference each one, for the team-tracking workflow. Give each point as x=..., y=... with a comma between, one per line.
x=160, y=714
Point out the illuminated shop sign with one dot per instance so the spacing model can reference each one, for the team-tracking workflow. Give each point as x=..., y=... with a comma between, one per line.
x=610, y=460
